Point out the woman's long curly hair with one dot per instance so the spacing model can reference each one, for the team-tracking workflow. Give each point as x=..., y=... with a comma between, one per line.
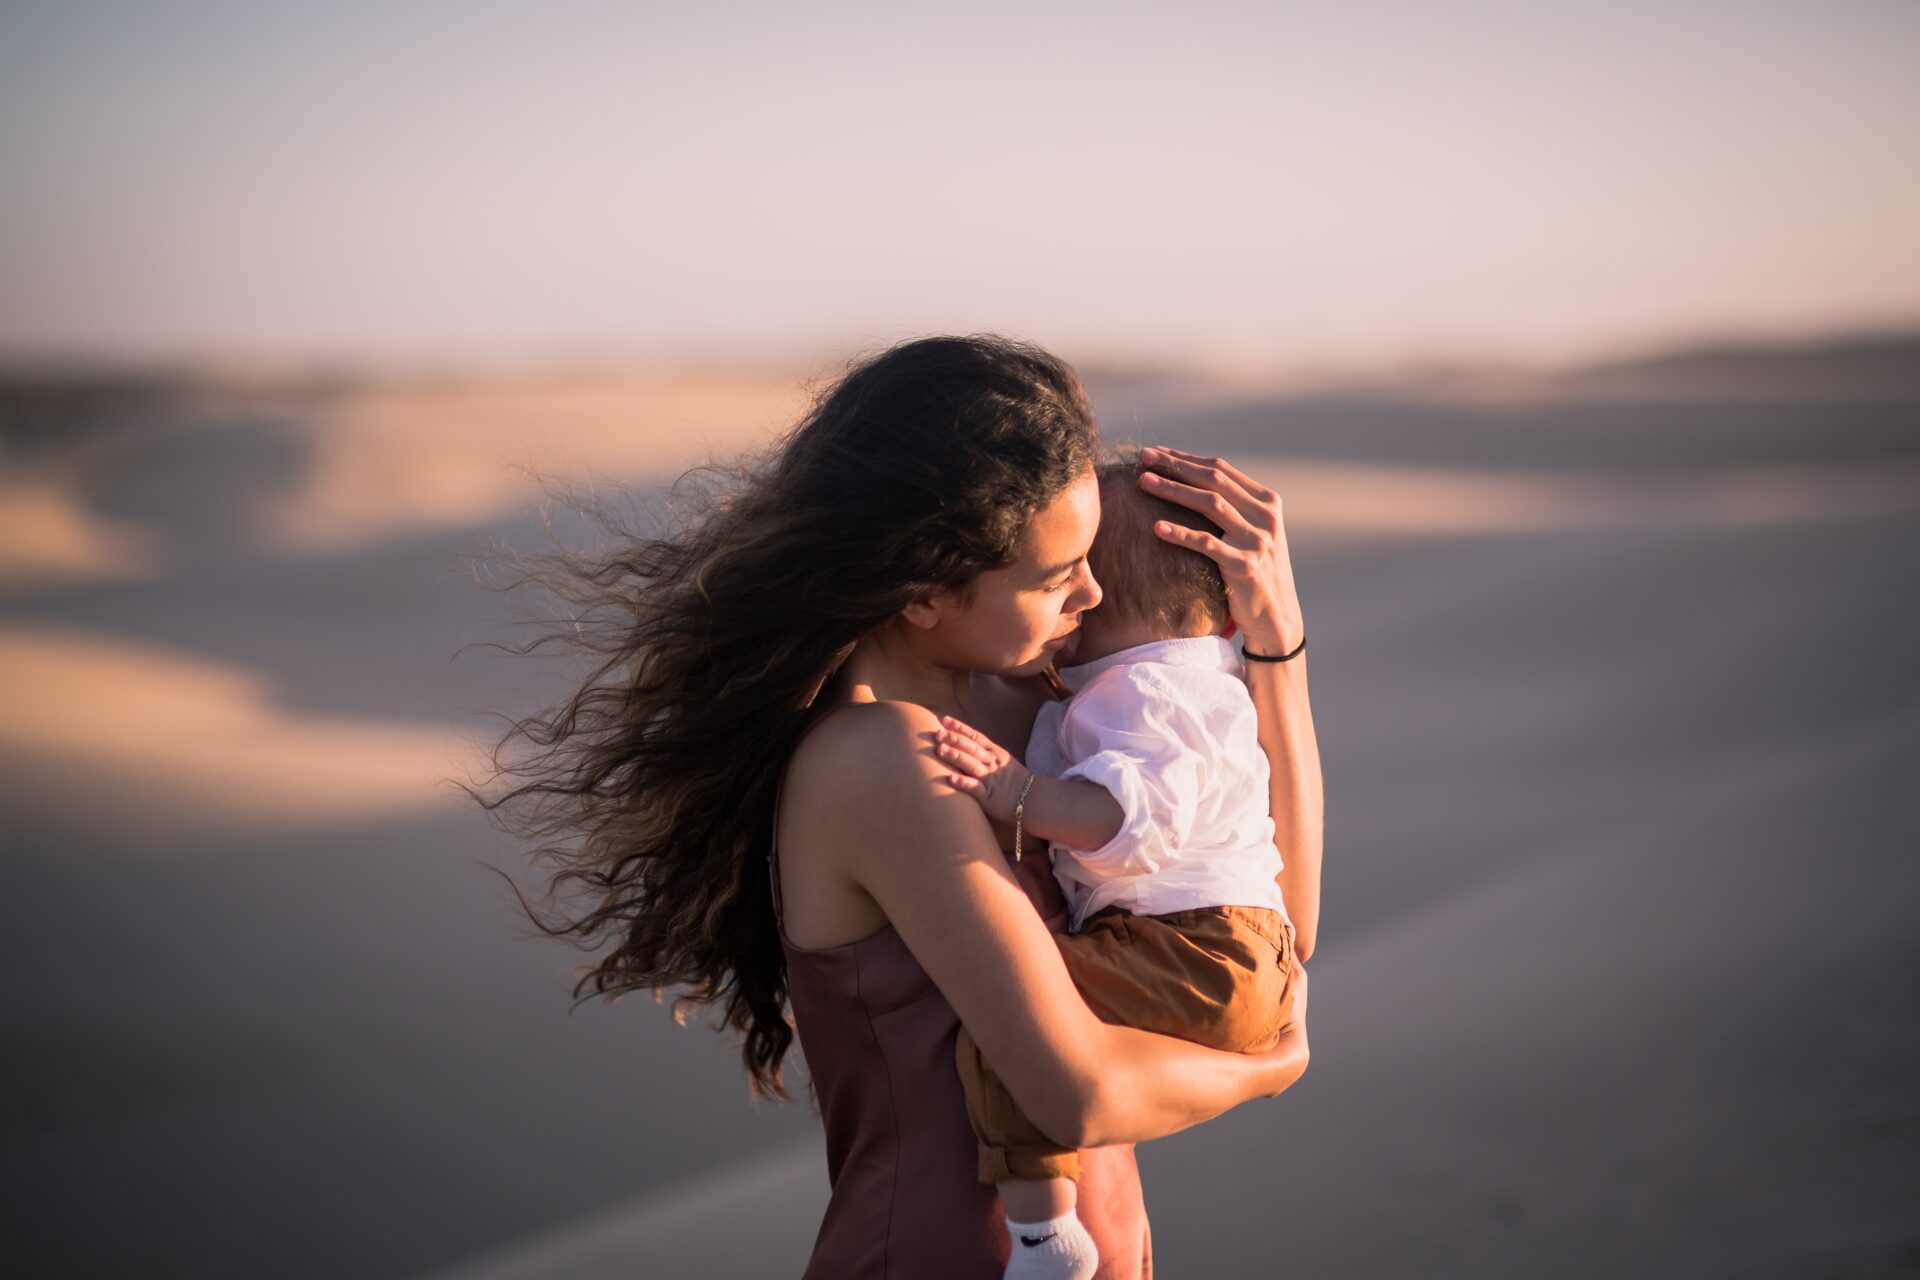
x=649, y=791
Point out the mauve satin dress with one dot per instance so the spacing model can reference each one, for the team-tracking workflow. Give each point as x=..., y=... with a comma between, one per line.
x=878, y=1038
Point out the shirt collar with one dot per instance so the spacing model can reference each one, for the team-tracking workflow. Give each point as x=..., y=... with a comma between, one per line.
x=1214, y=652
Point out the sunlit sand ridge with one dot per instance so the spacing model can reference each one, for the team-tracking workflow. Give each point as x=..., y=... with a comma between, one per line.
x=389, y=461
x=47, y=534
x=104, y=728
x=1357, y=498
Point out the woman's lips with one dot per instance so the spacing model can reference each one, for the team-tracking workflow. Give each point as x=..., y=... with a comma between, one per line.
x=1065, y=645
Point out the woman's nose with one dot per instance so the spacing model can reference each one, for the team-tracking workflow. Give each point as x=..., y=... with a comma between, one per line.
x=1089, y=590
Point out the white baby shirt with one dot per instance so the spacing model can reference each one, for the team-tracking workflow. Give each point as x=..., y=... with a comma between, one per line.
x=1170, y=730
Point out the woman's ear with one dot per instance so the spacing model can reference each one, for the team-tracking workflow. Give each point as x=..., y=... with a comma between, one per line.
x=927, y=612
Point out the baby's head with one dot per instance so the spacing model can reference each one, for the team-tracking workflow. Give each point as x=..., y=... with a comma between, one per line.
x=1152, y=589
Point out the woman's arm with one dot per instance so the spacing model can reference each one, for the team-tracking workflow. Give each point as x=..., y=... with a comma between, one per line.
x=1265, y=605
x=1297, y=802
x=955, y=902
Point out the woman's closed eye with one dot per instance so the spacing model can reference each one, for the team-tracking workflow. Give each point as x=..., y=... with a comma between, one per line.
x=1066, y=578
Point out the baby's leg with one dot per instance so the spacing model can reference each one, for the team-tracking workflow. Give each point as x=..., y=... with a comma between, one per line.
x=1034, y=1175
x=1032, y=1201
x=1049, y=1242
x=1214, y=975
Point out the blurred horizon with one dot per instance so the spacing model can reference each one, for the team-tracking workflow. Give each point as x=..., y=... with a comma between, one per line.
x=1842, y=362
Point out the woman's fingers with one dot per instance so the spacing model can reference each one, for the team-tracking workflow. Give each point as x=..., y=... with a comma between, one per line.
x=1204, y=473
x=1179, y=457
x=1194, y=539
x=1215, y=488
x=1210, y=503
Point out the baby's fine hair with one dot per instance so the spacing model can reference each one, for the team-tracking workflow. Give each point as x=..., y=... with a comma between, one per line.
x=1144, y=577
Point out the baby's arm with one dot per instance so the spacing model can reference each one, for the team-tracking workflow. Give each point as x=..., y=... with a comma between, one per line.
x=1077, y=813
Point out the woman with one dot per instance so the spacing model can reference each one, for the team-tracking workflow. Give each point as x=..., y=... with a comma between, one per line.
x=748, y=787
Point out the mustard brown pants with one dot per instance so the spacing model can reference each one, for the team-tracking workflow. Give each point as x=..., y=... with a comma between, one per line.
x=1219, y=976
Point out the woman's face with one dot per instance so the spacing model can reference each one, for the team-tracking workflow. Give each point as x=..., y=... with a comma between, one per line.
x=1021, y=617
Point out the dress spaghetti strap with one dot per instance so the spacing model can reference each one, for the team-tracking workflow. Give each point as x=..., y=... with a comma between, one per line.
x=773, y=854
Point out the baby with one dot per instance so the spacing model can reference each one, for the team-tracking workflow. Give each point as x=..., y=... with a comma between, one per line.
x=1150, y=788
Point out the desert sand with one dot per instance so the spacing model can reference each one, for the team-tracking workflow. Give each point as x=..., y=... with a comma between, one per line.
x=1617, y=971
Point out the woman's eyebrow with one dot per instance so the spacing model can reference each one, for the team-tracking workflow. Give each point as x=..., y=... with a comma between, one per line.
x=1057, y=570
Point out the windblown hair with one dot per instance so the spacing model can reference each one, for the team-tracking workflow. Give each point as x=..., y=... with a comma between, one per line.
x=649, y=790
x=1143, y=576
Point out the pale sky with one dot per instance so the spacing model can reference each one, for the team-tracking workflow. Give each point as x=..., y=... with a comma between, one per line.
x=1263, y=183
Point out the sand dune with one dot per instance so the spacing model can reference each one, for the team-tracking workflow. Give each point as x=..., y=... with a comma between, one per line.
x=107, y=730
x=388, y=461
x=1616, y=975
x=1334, y=498
x=327, y=472
x=49, y=535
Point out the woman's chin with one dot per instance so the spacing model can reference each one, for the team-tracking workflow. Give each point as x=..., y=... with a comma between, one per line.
x=1051, y=654
x=1062, y=651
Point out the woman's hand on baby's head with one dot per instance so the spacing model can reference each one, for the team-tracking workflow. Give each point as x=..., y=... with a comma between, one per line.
x=981, y=767
x=1255, y=565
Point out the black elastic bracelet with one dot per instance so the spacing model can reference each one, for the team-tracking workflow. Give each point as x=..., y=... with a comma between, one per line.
x=1251, y=656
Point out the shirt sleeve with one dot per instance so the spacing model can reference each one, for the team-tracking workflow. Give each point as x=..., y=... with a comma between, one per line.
x=1134, y=735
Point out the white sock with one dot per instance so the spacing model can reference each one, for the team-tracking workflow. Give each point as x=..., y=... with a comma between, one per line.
x=1056, y=1250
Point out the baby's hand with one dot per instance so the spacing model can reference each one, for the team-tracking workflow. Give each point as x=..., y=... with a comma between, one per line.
x=982, y=768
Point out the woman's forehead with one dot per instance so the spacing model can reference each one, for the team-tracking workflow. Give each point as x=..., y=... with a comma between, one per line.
x=1061, y=531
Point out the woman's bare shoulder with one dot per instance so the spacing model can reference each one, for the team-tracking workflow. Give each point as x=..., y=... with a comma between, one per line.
x=861, y=730
x=868, y=763
x=850, y=788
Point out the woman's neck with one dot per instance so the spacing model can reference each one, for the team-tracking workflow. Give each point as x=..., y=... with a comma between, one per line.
x=887, y=667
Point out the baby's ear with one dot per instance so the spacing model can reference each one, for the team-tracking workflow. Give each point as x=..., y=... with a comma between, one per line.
x=1226, y=632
